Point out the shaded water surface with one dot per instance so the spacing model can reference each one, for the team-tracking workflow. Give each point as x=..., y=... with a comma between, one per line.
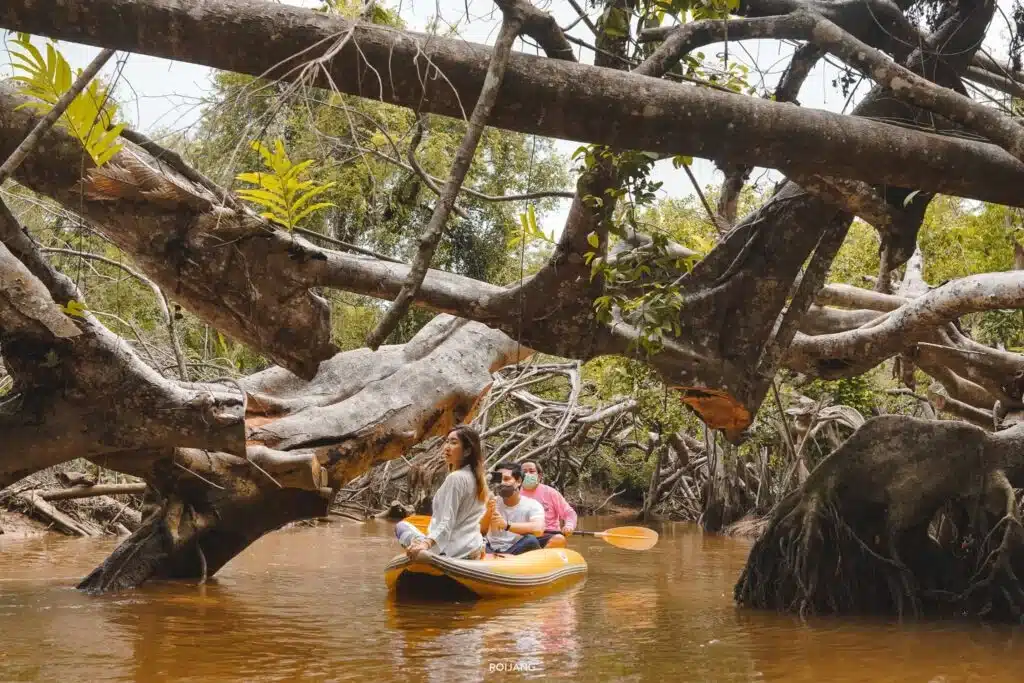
x=310, y=604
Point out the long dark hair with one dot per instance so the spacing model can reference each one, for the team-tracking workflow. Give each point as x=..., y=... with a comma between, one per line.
x=473, y=455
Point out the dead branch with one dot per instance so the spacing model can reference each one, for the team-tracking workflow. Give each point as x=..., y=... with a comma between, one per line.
x=92, y=491
x=864, y=348
x=460, y=166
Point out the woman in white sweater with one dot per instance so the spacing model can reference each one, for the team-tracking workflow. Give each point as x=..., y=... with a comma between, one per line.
x=459, y=504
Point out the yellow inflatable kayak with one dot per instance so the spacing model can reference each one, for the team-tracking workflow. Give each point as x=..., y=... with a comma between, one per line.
x=533, y=573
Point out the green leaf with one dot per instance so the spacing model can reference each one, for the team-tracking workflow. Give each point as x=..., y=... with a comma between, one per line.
x=75, y=309
x=90, y=115
x=910, y=198
x=283, y=195
x=593, y=240
x=264, y=198
x=308, y=210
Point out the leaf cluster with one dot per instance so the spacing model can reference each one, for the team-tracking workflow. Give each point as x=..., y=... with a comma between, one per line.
x=91, y=114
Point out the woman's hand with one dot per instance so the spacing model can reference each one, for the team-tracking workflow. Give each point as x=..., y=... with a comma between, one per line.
x=417, y=547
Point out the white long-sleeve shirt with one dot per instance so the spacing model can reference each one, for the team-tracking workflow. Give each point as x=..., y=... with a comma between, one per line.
x=455, y=523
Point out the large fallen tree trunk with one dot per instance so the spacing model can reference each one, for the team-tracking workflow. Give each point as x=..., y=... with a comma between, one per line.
x=554, y=98
x=79, y=391
x=305, y=441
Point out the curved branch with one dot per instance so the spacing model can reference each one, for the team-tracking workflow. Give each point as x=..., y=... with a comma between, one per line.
x=862, y=349
x=912, y=88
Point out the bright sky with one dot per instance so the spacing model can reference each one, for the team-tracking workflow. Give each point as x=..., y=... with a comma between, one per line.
x=159, y=94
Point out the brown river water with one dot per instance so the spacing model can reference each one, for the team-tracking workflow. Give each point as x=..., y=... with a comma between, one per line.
x=310, y=604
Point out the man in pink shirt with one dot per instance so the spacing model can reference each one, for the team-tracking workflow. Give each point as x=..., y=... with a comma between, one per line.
x=559, y=517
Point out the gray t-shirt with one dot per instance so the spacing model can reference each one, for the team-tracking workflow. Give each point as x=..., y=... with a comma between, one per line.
x=526, y=510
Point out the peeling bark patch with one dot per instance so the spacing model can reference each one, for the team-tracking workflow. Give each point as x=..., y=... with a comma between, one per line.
x=717, y=408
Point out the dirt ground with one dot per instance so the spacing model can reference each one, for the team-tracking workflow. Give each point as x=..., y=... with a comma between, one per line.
x=13, y=523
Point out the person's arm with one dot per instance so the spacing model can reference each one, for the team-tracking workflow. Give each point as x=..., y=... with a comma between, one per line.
x=535, y=525
x=565, y=512
x=485, y=521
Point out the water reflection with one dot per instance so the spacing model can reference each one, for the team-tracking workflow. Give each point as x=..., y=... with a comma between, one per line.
x=310, y=604
x=531, y=638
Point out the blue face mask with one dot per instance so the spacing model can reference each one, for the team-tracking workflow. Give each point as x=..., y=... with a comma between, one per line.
x=531, y=481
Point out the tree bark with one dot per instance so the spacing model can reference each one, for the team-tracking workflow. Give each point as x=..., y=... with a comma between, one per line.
x=79, y=389
x=306, y=440
x=554, y=98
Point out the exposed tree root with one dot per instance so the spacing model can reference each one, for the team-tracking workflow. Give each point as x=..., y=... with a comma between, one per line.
x=908, y=517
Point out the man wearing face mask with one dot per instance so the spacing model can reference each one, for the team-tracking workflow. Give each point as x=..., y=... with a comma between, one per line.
x=559, y=517
x=513, y=521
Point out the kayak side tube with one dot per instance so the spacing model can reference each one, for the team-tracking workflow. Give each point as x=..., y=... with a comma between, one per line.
x=538, y=571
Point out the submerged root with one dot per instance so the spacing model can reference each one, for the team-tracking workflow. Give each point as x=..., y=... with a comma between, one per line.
x=812, y=561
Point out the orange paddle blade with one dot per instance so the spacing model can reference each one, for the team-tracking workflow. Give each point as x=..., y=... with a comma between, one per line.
x=630, y=537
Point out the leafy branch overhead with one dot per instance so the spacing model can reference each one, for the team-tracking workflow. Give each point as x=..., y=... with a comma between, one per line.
x=91, y=114
x=282, y=194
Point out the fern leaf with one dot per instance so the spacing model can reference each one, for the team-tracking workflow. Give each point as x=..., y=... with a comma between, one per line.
x=284, y=198
x=297, y=169
x=308, y=210
x=267, y=181
x=263, y=198
x=51, y=62
x=90, y=115
x=271, y=216
x=304, y=199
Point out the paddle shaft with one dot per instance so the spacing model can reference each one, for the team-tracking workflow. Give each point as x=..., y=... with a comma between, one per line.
x=632, y=538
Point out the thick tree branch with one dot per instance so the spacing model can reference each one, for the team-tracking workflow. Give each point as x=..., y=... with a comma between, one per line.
x=787, y=90
x=210, y=259
x=540, y=26
x=910, y=87
x=864, y=348
x=540, y=96
x=56, y=111
x=89, y=394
